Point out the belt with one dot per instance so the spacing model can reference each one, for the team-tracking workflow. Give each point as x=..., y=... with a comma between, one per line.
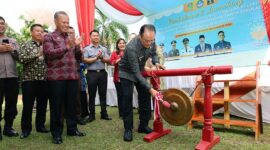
x=101, y=70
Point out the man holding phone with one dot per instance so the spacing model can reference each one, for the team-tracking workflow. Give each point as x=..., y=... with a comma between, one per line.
x=9, y=87
x=5, y=41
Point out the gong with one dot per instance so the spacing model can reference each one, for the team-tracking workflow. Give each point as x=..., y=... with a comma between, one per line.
x=181, y=109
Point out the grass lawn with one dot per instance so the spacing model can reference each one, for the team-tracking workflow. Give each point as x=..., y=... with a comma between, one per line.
x=103, y=134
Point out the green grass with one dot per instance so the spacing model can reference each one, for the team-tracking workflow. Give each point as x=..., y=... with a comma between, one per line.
x=103, y=134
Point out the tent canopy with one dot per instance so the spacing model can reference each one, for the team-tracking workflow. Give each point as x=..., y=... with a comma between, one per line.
x=151, y=7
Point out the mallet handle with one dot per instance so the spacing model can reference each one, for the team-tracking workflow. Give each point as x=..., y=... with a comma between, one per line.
x=166, y=104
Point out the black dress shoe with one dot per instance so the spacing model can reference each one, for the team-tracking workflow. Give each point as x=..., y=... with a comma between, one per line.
x=10, y=132
x=24, y=135
x=42, y=130
x=75, y=133
x=105, y=117
x=57, y=140
x=146, y=130
x=90, y=119
x=128, y=135
x=81, y=122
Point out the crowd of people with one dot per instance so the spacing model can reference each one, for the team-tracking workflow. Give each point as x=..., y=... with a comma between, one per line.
x=54, y=66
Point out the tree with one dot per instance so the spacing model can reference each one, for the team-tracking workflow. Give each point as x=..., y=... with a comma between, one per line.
x=110, y=31
x=24, y=34
x=12, y=33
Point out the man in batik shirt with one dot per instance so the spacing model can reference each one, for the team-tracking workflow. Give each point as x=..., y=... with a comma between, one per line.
x=34, y=85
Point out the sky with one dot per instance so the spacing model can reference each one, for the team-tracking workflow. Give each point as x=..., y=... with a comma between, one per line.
x=42, y=11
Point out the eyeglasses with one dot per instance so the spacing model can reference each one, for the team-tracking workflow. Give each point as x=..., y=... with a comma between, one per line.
x=148, y=41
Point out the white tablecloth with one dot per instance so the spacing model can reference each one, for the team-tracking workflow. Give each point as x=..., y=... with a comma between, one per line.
x=112, y=97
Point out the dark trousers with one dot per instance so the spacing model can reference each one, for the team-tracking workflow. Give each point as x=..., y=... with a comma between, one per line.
x=78, y=101
x=119, y=93
x=144, y=100
x=97, y=81
x=84, y=104
x=34, y=90
x=62, y=93
x=9, y=89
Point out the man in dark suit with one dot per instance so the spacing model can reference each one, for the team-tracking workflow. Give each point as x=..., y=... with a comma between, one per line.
x=222, y=44
x=202, y=47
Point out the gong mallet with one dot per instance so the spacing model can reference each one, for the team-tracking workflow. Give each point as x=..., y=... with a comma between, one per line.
x=158, y=130
x=175, y=107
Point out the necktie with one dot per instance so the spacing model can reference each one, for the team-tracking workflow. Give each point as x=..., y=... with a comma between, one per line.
x=222, y=45
x=202, y=47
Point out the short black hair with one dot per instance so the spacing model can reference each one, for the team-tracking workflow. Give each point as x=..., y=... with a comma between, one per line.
x=149, y=27
x=201, y=36
x=2, y=18
x=173, y=41
x=35, y=25
x=185, y=39
x=94, y=31
x=45, y=30
x=70, y=27
x=221, y=32
x=56, y=15
x=161, y=44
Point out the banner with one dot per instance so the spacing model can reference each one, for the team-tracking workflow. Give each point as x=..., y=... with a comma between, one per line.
x=212, y=32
